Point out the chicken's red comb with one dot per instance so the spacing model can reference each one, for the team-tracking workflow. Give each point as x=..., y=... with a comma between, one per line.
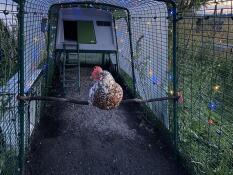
x=97, y=68
x=95, y=72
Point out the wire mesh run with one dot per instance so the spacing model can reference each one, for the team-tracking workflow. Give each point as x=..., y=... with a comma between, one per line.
x=205, y=60
x=145, y=53
x=150, y=53
x=8, y=88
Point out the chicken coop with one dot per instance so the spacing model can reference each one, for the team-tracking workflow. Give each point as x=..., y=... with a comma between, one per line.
x=157, y=49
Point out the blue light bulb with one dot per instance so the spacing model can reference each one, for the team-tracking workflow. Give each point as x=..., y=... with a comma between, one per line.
x=170, y=77
x=213, y=106
x=154, y=79
x=45, y=67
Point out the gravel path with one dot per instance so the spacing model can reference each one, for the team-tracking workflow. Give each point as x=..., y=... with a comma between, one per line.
x=83, y=140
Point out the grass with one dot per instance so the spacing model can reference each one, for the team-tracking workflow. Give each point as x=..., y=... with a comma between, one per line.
x=205, y=78
x=8, y=67
x=8, y=58
x=8, y=163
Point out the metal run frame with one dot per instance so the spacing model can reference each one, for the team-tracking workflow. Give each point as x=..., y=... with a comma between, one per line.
x=21, y=65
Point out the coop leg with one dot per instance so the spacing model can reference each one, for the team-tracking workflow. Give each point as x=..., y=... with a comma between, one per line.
x=103, y=57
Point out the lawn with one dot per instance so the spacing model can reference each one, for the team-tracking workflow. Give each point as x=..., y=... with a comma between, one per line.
x=205, y=80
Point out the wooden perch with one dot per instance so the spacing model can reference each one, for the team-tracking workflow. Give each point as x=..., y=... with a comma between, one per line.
x=58, y=99
x=137, y=100
x=82, y=102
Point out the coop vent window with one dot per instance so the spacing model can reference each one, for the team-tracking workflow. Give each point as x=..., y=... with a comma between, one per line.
x=70, y=30
x=103, y=23
x=86, y=32
x=81, y=31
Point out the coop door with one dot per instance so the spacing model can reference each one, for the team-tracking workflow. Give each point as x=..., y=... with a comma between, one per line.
x=70, y=30
x=86, y=32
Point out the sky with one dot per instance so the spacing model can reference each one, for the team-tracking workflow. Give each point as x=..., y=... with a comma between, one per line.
x=11, y=8
x=226, y=5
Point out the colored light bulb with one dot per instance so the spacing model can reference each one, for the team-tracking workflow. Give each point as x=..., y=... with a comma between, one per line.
x=211, y=122
x=216, y=88
x=154, y=79
x=213, y=106
x=150, y=72
x=170, y=77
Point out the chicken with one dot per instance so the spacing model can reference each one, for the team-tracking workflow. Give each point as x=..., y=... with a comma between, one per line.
x=105, y=94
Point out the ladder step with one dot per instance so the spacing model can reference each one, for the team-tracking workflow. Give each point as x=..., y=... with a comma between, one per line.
x=70, y=69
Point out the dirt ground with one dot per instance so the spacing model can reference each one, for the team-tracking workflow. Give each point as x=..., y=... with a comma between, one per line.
x=83, y=140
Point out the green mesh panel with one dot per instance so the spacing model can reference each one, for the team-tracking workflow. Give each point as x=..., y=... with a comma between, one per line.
x=86, y=32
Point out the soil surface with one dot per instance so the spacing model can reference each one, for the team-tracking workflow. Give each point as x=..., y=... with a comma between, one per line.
x=83, y=140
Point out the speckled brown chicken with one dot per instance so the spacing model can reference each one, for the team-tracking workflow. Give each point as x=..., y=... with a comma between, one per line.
x=105, y=94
